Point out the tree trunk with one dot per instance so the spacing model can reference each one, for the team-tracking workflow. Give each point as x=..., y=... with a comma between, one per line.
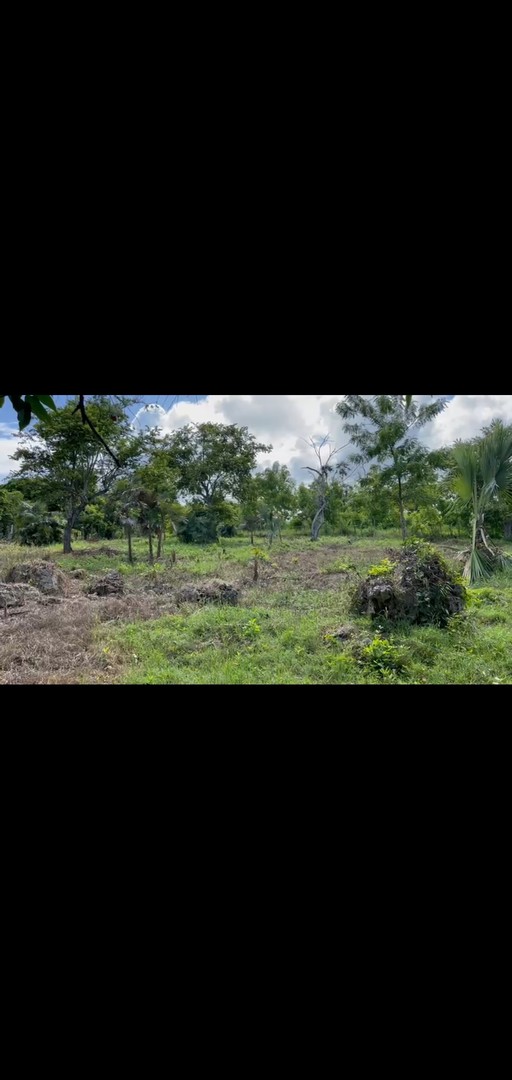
x=67, y=538
x=150, y=541
x=129, y=537
x=252, y=538
x=318, y=520
x=402, y=515
x=159, y=548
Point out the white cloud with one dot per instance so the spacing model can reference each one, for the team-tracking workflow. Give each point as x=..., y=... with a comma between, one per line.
x=7, y=447
x=286, y=421
x=283, y=421
x=465, y=417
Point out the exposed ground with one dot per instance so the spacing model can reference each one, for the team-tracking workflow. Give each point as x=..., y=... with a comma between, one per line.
x=292, y=625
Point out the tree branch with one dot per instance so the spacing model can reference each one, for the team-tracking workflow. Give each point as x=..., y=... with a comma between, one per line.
x=86, y=420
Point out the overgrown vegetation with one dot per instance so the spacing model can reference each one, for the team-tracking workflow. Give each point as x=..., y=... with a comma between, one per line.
x=209, y=573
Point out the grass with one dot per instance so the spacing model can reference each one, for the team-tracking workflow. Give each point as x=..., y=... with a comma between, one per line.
x=282, y=632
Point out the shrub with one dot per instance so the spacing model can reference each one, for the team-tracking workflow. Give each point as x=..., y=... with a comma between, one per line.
x=427, y=523
x=383, y=656
x=385, y=567
x=41, y=533
x=200, y=527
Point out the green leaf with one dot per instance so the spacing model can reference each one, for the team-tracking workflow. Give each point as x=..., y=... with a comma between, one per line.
x=24, y=416
x=38, y=409
x=47, y=400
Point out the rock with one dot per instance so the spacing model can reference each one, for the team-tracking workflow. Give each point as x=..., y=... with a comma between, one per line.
x=344, y=633
x=17, y=595
x=49, y=600
x=44, y=576
x=379, y=598
x=111, y=584
x=209, y=592
x=78, y=574
x=418, y=587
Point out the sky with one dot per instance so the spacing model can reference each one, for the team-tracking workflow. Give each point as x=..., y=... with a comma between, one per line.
x=286, y=421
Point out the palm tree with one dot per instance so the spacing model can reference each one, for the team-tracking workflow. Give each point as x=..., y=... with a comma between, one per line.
x=484, y=472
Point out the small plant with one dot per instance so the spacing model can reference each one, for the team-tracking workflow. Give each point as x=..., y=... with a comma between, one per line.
x=339, y=568
x=259, y=554
x=342, y=664
x=252, y=629
x=477, y=597
x=385, y=567
x=383, y=656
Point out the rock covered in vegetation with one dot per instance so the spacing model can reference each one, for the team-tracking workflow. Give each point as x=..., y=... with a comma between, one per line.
x=78, y=574
x=16, y=595
x=111, y=584
x=344, y=633
x=209, y=592
x=44, y=576
x=417, y=586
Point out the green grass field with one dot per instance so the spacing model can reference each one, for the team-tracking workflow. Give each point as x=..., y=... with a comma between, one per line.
x=282, y=631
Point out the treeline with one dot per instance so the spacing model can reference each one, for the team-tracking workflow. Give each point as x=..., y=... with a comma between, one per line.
x=201, y=483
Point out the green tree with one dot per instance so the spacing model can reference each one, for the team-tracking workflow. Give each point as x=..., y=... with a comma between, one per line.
x=66, y=454
x=251, y=507
x=12, y=506
x=381, y=428
x=483, y=475
x=213, y=461
x=277, y=496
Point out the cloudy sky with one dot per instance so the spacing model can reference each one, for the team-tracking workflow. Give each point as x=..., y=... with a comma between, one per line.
x=285, y=421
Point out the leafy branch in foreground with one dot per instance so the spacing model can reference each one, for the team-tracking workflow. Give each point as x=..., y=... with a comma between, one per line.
x=25, y=406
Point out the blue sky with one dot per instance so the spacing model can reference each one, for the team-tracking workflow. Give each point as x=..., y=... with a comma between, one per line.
x=285, y=421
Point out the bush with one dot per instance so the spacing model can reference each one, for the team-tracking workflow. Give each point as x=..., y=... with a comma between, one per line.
x=427, y=523
x=200, y=527
x=383, y=656
x=40, y=533
x=385, y=567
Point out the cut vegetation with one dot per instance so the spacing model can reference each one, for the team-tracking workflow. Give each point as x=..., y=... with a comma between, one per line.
x=294, y=625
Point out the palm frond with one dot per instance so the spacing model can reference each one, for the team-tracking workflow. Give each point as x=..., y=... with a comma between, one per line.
x=466, y=459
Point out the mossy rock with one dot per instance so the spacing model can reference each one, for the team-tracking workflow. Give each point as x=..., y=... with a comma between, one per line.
x=420, y=589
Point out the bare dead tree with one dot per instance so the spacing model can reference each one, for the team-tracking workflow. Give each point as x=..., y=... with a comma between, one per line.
x=325, y=454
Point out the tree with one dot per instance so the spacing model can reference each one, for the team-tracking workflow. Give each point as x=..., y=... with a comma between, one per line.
x=12, y=506
x=159, y=486
x=66, y=455
x=325, y=455
x=483, y=474
x=213, y=461
x=276, y=489
x=251, y=508
x=380, y=427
